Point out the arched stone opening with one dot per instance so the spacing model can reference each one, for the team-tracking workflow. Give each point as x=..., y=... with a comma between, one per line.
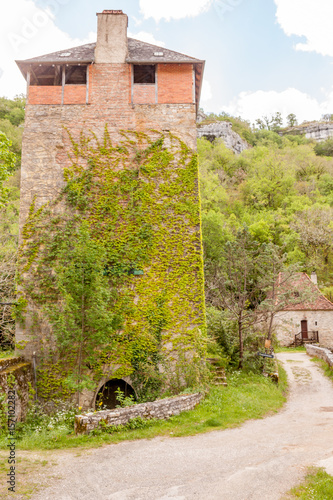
x=107, y=393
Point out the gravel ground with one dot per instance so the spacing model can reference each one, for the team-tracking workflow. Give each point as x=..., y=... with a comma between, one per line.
x=261, y=460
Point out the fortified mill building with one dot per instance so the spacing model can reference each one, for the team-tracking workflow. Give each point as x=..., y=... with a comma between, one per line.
x=113, y=124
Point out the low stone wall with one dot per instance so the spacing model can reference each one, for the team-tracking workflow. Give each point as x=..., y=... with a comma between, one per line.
x=160, y=409
x=16, y=376
x=320, y=352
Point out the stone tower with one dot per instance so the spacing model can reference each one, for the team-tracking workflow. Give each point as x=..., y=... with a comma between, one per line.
x=119, y=88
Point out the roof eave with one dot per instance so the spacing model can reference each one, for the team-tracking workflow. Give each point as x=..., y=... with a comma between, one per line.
x=201, y=81
x=157, y=61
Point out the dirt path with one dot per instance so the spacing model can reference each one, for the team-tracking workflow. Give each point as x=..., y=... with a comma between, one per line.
x=260, y=460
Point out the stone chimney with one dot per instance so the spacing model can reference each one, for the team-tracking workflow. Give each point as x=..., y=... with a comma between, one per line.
x=314, y=278
x=111, y=46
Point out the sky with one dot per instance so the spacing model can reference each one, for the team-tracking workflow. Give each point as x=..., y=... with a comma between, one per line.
x=262, y=56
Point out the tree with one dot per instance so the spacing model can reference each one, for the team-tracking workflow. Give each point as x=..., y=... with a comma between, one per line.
x=7, y=165
x=274, y=122
x=280, y=289
x=82, y=319
x=243, y=275
x=315, y=228
x=324, y=148
x=328, y=117
x=292, y=120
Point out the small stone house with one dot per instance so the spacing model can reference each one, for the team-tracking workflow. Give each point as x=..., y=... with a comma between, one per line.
x=310, y=320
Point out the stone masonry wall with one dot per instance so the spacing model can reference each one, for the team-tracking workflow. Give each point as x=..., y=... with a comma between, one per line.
x=21, y=372
x=320, y=352
x=288, y=324
x=160, y=409
x=46, y=142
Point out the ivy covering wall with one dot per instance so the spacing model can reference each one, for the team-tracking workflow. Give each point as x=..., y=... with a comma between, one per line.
x=111, y=271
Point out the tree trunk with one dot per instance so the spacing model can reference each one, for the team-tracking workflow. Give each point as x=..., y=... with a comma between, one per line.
x=241, y=347
x=81, y=340
x=270, y=328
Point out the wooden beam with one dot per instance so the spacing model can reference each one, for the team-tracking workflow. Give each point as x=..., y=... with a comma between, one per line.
x=87, y=86
x=63, y=85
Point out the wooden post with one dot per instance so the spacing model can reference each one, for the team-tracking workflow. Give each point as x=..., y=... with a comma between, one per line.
x=87, y=86
x=28, y=84
x=63, y=84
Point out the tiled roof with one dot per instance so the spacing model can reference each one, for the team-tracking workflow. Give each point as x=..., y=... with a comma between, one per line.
x=138, y=52
x=315, y=300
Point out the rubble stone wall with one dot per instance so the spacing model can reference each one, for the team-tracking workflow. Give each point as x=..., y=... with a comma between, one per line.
x=160, y=409
x=320, y=352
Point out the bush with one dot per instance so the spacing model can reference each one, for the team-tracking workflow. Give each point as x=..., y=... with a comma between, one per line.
x=324, y=148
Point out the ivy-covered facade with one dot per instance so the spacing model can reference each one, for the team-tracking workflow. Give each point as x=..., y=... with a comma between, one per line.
x=110, y=278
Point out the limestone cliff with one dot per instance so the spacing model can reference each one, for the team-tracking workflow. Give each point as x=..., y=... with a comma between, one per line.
x=223, y=130
x=318, y=131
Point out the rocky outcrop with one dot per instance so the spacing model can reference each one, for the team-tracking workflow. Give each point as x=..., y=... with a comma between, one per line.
x=223, y=130
x=318, y=131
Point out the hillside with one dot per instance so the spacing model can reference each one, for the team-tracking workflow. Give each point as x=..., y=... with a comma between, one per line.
x=278, y=188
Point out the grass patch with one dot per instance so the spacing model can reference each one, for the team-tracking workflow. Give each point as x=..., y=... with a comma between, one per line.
x=248, y=396
x=317, y=485
x=328, y=370
x=300, y=348
x=27, y=472
x=7, y=354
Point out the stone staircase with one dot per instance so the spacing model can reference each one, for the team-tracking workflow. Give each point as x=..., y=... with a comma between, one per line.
x=219, y=372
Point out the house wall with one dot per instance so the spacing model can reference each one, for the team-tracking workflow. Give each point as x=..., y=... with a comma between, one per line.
x=45, y=155
x=288, y=323
x=175, y=83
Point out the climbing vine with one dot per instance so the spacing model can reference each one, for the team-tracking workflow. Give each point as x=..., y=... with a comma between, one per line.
x=122, y=238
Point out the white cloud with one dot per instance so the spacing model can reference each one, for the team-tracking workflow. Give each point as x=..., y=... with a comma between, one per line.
x=206, y=93
x=309, y=19
x=28, y=31
x=253, y=105
x=146, y=37
x=173, y=9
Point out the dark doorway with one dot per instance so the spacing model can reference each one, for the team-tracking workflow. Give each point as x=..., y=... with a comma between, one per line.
x=304, y=329
x=107, y=393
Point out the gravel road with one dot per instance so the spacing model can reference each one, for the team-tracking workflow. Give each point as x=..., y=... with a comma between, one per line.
x=261, y=460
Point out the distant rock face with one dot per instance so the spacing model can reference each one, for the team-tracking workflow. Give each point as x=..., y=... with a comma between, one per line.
x=223, y=130
x=317, y=131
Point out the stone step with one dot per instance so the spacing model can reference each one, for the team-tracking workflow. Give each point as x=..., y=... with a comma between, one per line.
x=8, y=362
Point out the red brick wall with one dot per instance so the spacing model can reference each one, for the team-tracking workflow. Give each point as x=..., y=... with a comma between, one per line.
x=175, y=83
x=75, y=94
x=44, y=94
x=144, y=94
x=108, y=82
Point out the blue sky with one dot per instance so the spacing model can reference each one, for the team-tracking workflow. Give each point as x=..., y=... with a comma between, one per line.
x=262, y=56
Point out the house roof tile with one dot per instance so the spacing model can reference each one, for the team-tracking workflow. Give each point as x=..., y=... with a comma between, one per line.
x=316, y=301
x=138, y=52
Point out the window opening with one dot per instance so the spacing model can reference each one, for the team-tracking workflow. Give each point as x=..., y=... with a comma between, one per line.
x=51, y=75
x=144, y=73
x=76, y=75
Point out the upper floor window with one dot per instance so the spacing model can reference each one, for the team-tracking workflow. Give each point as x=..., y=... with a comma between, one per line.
x=144, y=73
x=76, y=75
x=52, y=74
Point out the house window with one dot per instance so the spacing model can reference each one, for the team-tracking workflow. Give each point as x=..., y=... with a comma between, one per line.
x=76, y=75
x=46, y=74
x=51, y=75
x=144, y=73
